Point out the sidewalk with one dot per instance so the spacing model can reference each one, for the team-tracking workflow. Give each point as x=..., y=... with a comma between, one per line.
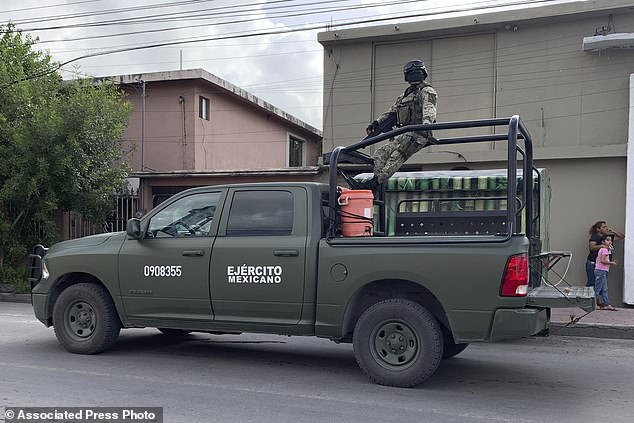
x=15, y=298
x=599, y=323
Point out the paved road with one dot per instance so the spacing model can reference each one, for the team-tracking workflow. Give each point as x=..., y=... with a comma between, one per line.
x=261, y=378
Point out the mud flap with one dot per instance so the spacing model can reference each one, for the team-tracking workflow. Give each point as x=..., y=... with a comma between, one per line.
x=548, y=296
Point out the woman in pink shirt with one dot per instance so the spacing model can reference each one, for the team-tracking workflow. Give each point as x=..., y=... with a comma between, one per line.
x=601, y=269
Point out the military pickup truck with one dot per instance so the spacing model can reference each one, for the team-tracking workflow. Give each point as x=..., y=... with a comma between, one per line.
x=272, y=258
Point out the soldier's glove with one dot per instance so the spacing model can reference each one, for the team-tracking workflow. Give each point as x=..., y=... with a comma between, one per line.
x=374, y=126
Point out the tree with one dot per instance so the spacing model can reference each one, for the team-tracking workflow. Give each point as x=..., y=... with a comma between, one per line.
x=60, y=144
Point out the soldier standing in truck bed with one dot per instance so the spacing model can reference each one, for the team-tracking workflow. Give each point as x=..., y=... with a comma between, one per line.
x=415, y=106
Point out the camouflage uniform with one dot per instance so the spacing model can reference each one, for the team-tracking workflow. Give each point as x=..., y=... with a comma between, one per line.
x=417, y=105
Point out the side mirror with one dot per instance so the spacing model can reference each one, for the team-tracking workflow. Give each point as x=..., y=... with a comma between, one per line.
x=133, y=228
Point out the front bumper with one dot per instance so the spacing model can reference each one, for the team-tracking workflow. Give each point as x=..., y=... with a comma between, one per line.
x=39, y=302
x=518, y=323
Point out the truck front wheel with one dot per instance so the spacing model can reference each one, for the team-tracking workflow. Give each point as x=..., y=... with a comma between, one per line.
x=85, y=319
x=398, y=342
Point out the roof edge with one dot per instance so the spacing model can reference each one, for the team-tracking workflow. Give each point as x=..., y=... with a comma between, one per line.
x=306, y=170
x=473, y=22
x=199, y=73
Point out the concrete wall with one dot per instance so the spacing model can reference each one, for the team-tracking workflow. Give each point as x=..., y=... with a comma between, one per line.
x=569, y=99
x=163, y=141
x=574, y=103
x=240, y=137
x=583, y=192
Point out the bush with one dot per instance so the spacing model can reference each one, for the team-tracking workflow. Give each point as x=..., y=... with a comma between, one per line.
x=16, y=279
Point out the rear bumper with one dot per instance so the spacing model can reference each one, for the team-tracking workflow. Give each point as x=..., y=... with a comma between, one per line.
x=518, y=323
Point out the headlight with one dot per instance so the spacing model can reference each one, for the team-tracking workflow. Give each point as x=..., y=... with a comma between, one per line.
x=45, y=273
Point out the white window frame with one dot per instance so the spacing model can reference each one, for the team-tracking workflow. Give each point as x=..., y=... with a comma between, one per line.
x=204, y=104
x=289, y=140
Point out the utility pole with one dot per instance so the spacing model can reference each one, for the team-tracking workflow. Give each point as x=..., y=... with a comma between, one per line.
x=141, y=181
x=142, y=124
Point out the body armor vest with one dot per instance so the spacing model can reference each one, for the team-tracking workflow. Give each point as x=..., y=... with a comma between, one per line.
x=409, y=111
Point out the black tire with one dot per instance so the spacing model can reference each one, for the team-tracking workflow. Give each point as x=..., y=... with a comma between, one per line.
x=398, y=342
x=451, y=349
x=85, y=319
x=174, y=332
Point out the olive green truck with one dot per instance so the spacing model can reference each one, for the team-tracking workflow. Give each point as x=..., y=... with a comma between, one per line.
x=410, y=276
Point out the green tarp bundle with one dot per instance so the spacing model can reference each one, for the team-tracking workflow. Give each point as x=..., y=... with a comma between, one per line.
x=463, y=190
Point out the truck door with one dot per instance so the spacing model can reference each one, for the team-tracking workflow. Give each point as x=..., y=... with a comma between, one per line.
x=165, y=275
x=258, y=259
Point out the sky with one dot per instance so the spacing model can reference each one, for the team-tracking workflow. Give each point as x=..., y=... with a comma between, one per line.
x=267, y=47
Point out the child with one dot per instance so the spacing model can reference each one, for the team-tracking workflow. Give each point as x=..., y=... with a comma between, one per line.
x=601, y=269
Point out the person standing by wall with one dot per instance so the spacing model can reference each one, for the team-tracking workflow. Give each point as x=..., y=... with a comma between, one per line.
x=601, y=269
x=596, y=231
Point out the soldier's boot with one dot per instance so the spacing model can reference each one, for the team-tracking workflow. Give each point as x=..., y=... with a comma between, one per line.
x=373, y=184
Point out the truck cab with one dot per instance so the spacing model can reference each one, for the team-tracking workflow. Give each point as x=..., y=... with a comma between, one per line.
x=250, y=264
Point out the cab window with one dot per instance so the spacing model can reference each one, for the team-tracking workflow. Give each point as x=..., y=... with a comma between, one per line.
x=187, y=217
x=255, y=213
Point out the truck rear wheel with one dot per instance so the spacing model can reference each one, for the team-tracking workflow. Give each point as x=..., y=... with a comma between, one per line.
x=85, y=319
x=398, y=342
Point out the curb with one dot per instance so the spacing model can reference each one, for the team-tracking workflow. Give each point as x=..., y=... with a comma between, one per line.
x=595, y=330
x=15, y=298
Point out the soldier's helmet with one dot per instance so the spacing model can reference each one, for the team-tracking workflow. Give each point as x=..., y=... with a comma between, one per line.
x=414, y=71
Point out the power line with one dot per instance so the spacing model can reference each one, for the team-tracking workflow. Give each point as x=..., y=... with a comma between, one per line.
x=214, y=45
x=23, y=9
x=244, y=19
x=473, y=81
x=447, y=67
x=110, y=11
x=253, y=34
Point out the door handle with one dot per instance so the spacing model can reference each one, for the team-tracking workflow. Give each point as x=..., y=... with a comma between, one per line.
x=193, y=253
x=286, y=253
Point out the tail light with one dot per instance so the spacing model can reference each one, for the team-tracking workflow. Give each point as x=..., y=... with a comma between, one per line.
x=515, y=280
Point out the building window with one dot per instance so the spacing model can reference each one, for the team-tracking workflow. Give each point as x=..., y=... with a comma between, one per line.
x=295, y=152
x=203, y=108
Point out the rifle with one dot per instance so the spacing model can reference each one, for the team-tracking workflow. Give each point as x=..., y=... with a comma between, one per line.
x=386, y=126
x=389, y=124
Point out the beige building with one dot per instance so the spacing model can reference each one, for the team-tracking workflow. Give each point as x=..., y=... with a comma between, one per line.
x=190, y=128
x=563, y=68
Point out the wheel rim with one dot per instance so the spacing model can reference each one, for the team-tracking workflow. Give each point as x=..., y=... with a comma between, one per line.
x=394, y=344
x=80, y=320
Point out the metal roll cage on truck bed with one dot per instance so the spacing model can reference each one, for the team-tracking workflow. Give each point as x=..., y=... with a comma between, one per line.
x=515, y=131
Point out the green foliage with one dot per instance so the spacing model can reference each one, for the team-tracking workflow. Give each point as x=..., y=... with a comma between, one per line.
x=17, y=278
x=60, y=142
